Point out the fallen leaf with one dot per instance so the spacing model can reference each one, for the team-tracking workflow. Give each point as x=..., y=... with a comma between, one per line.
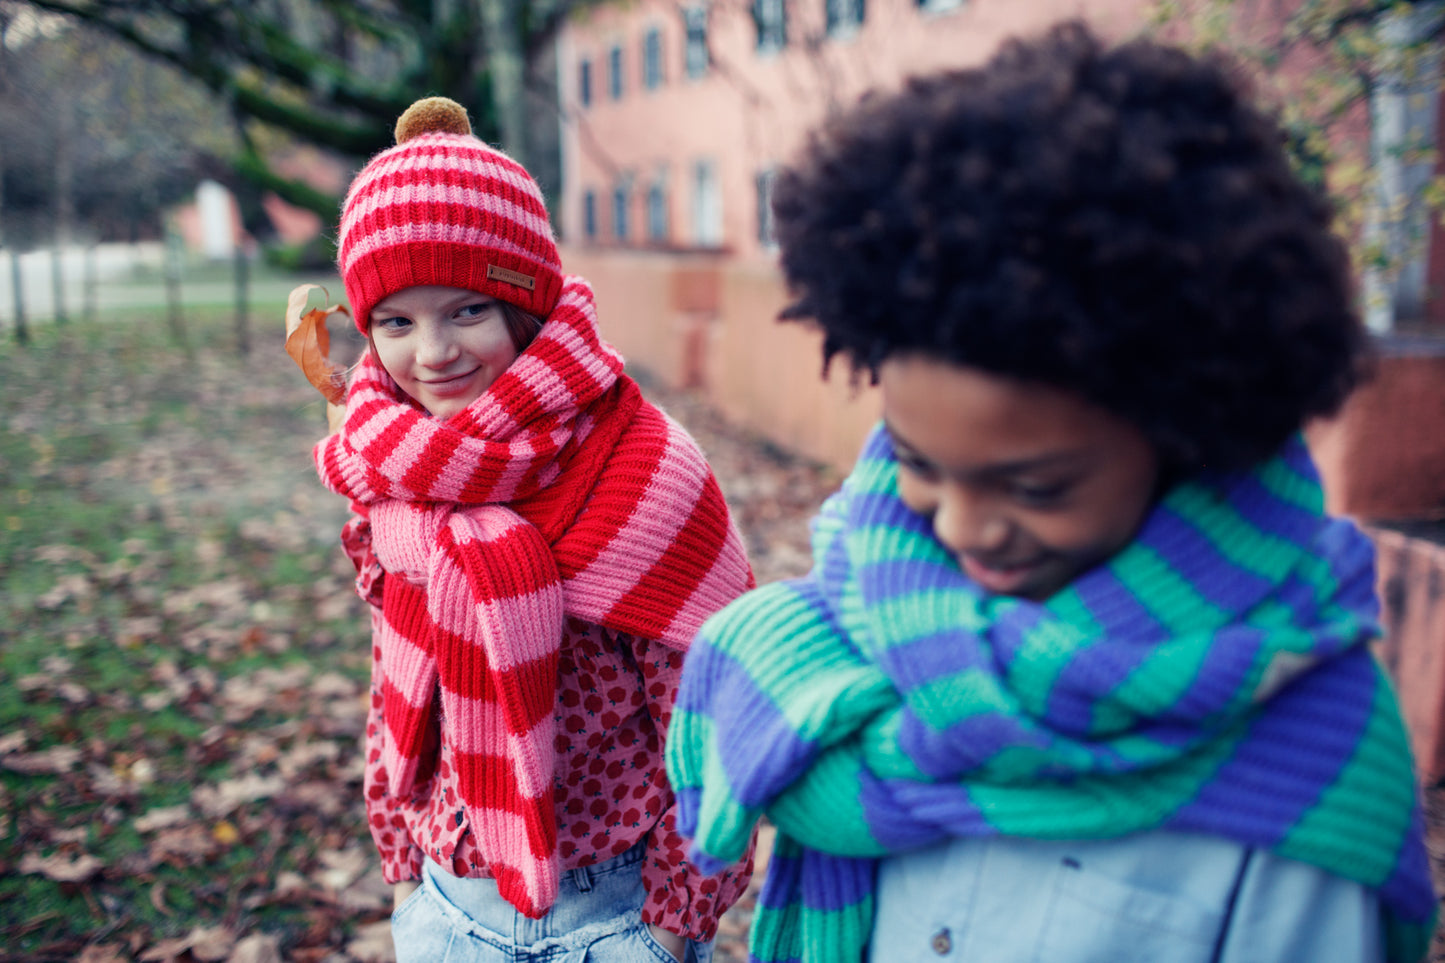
x=341, y=868
x=158, y=899
x=309, y=343
x=52, y=761
x=223, y=798
x=103, y=953
x=162, y=817
x=373, y=943
x=257, y=948
x=62, y=867
x=211, y=944
x=225, y=833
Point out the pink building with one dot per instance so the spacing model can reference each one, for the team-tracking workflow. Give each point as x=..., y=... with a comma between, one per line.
x=677, y=111
x=675, y=115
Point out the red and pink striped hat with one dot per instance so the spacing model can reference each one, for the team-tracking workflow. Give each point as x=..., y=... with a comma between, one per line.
x=441, y=207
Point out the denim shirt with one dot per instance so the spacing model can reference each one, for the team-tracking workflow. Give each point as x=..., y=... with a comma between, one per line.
x=1148, y=897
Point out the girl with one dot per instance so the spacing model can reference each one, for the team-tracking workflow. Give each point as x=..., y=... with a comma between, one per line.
x=539, y=544
x=1082, y=670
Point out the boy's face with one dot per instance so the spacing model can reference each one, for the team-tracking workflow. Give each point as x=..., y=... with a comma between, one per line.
x=443, y=346
x=1027, y=485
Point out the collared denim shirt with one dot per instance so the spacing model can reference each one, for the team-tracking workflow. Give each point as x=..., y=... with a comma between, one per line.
x=1157, y=897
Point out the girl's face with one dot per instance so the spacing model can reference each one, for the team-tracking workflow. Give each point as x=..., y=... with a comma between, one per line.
x=1027, y=485
x=443, y=346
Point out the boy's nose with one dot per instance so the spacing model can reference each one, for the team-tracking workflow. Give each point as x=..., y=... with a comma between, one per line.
x=968, y=524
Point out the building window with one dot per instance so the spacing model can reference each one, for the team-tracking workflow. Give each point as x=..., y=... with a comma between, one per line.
x=614, y=72
x=621, y=196
x=706, y=206
x=584, y=83
x=844, y=17
x=764, y=183
x=589, y=215
x=652, y=59
x=657, y=226
x=770, y=17
x=695, y=57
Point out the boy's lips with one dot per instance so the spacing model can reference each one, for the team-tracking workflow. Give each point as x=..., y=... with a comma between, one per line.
x=1000, y=579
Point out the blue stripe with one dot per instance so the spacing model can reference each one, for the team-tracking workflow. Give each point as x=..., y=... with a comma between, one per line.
x=1116, y=609
x=1225, y=585
x=1402, y=889
x=758, y=766
x=891, y=822
x=1232, y=652
x=835, y=882
x=1288, y=757
x=967, y=744
x=928, y=658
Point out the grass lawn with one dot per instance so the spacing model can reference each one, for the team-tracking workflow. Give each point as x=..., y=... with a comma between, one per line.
x=182, y=662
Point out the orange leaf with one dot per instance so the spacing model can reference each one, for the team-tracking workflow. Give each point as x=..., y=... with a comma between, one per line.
x=309, y=344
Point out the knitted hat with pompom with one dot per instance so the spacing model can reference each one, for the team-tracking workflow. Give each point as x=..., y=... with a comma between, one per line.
x=443, y=208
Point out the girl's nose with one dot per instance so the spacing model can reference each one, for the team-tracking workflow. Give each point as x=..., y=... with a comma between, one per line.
x=435, y=349
x=968, y=524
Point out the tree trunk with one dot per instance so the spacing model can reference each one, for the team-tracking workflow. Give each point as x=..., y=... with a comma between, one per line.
x=243, y=283
x=175, y=316
x=22, y=329
x=503, y=38
x=1403, y=112
x=90, y=282
x=64, y=204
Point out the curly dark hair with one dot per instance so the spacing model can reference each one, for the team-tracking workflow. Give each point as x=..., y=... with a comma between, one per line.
x=1118, y=221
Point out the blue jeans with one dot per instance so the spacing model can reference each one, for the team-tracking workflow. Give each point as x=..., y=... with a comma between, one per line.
x=597, y=919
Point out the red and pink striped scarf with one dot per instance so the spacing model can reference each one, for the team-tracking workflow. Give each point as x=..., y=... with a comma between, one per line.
x=560, y=491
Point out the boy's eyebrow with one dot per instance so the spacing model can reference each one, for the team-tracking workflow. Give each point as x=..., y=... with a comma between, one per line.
x=1049, y=460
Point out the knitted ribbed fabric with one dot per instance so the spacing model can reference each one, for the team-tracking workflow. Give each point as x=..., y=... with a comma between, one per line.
x=443, y=208
x=1213, y=677
x=558, y=491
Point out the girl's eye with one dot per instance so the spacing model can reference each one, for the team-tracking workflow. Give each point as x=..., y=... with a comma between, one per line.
x=477, y=310
x=391, y=324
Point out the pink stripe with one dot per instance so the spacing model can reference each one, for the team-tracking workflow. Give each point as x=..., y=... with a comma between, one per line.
x=717, y=588
x=487, y=718
x=431, y=233
x=403, y=196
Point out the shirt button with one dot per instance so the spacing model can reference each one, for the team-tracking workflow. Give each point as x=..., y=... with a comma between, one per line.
x=942, y=942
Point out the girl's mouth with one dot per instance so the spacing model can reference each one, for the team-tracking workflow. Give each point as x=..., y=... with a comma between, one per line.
x=450, y=385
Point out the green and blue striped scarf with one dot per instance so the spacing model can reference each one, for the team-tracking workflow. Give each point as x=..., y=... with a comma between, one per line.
x=1214, y=677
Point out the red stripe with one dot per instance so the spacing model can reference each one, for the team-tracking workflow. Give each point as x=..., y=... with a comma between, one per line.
x=653, y=602
x=484, y=173
x=504, y=565
x=423, y=474
x=406, y=724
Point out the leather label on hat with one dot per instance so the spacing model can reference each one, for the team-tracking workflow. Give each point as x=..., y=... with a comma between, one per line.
x=506, y=276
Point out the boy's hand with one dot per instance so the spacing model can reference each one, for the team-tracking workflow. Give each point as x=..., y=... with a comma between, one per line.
x=674, y=944
x=401, y=891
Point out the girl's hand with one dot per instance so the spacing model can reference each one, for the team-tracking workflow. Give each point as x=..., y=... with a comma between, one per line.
x=401, y=891
x=335, y=417
x=674, y=944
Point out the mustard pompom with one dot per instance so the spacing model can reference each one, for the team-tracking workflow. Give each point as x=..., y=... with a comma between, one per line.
x=432, y=114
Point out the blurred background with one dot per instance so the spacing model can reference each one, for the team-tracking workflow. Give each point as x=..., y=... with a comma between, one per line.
x=182, y=662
